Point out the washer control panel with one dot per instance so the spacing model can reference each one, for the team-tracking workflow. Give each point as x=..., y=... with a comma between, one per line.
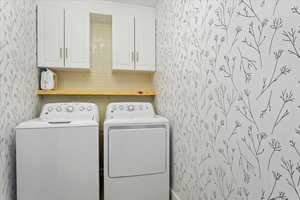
x=129, y=110
x=70, y=111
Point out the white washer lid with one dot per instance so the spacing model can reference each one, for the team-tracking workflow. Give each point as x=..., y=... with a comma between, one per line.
x=38, y=123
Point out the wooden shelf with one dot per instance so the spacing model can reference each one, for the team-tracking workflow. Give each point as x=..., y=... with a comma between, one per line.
x=94, y=93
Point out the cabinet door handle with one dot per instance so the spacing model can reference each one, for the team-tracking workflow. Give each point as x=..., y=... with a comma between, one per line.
x=137, y=56
x=132, y=57
x=66, y=52
x=60, y=52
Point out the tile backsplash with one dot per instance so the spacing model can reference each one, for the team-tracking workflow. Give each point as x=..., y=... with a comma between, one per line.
x=18, y=82
x=100, y=76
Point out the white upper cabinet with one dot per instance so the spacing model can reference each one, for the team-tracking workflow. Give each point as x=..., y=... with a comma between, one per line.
x=63, y=36
x=50, y=35
x=134, y=42
x=145, y=43
x=123, y=42
x=77, y=38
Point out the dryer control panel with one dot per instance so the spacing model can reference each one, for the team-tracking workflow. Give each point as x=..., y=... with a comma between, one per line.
x=70, y=111
x=129, y=110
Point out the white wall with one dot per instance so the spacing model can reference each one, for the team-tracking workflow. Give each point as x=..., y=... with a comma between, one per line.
x=18, y=82
x=228, y=80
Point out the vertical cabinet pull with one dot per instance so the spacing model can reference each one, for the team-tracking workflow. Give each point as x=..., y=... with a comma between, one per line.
x=60, y=52
x=132, y=57
x=66, y=52
x=137, y=56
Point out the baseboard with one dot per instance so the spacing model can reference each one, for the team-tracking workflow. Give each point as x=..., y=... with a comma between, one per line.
x=174, y=196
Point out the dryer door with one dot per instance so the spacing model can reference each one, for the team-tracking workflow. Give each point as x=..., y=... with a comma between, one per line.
x=137, y=151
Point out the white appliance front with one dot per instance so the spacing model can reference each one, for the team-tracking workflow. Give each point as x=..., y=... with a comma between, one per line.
x=132, y=152
x=58, y=163
x=136, y=163
x=136, y=153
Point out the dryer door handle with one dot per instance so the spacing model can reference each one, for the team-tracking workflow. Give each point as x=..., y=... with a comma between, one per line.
x=59, y=122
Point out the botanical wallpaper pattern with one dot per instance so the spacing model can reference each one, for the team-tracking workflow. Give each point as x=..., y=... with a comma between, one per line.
x=18, y=82
x=228, y=79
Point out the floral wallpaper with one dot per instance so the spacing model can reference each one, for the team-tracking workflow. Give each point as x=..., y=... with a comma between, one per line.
x=18, y=82
x=229, y=81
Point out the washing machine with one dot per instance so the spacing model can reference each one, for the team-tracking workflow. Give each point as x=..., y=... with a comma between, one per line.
x=57, y=154
x=136, y=153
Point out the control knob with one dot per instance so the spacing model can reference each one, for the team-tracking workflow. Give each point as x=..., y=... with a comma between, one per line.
x=121, y=107
x=89, y=108
x=50, y=109
x=70, y=109
x=130, y=108
x=58, y=109
x=81, y=108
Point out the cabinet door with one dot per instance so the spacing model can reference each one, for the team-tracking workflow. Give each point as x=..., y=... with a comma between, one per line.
x=50, y=35
x=77, y=37
x=123, y=42
x=145, y=43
